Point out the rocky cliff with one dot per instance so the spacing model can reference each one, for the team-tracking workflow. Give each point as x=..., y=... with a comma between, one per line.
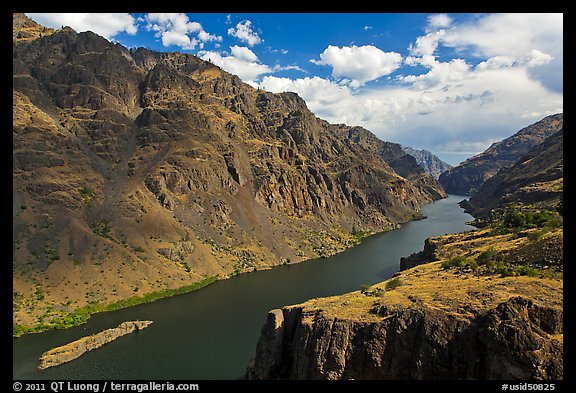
x=136, y=171
x=431, y=163
x=467, y=177
x=446, y=319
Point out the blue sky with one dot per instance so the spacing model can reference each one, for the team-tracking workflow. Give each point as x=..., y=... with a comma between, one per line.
x=449, y=83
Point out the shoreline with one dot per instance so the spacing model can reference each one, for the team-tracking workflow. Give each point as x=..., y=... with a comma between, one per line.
x=73, y=350
x=83, y=314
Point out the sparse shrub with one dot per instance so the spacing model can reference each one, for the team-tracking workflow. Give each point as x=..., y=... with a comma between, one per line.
x=86, y=193
x=487, y=258
x=393, y=284
x=474, y=266
x=524, y=270
x=458, y=261
x=537, y=235
x=39, y=294
x=503, y=269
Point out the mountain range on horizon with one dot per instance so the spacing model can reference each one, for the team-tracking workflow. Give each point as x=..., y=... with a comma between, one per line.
x=427, y=160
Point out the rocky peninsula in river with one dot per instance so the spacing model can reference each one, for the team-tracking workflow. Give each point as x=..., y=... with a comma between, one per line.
x=75, y=349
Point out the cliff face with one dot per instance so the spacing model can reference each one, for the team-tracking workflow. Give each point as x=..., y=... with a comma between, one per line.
x=509, y=341
x=436, y=319
x=136, y=171
x=467, y=177
x=431, y=163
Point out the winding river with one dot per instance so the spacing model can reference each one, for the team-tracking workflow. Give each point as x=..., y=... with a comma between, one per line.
x=212, y=333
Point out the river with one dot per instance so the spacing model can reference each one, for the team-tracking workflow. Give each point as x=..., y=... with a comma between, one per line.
x=212, y=333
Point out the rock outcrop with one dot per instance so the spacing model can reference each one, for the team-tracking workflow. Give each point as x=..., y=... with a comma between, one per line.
x=75, y=349
x=432, y=320
x=419, y=334
x=467, y=177
x=431, y=163
x=508, y=341
x=137, y=171
x=428, y=254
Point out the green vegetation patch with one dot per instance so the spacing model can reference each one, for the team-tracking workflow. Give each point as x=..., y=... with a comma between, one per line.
x=152, y=296
x=101, y=228
x=357, y=236
x=517, y=218
x=82, y=314
x=86, y=193
x=390, y=285
x=393, y=284
x=489, y=262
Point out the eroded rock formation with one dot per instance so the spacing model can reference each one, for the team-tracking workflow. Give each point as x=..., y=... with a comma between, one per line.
x=507, y=340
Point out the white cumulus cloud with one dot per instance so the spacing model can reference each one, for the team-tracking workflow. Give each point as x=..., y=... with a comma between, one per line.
x=438, y=21
x=426, y=45
x=359, y=64
x=105, y=24
x=242, y=62
x=243, y=53
x=243, y=31
x=177, y=29
x=534, y=40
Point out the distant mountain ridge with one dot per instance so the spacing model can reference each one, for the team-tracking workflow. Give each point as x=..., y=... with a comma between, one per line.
x=538, y=177
x=427, y=160
x=468, y=176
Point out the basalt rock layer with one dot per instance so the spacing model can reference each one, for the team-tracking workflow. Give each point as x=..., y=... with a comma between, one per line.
x=430, y=322
x=507, y=341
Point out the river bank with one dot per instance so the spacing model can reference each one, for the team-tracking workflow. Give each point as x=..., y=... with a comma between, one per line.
x=81, y=315
x=212, y=333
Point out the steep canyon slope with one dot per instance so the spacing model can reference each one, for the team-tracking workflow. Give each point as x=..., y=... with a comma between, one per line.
x=431, y=163
x=467, y=177
x=536, y=178
x=136, y=172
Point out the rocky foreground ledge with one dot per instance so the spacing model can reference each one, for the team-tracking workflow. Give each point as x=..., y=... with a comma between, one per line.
x=430, y=321
x=75, y=349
